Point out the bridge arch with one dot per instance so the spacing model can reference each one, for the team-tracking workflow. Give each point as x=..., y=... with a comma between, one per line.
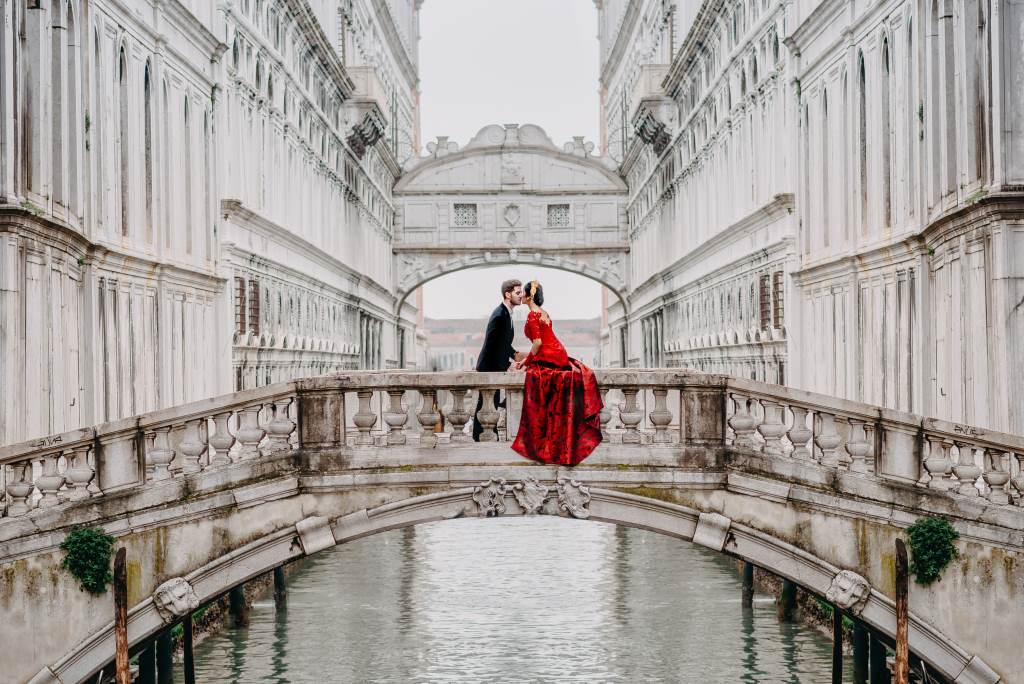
x=314, y=534
x=511, y=196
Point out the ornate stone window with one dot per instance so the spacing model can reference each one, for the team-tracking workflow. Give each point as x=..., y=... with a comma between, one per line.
x=558, y=216
x=778, y=305
x=465, y=216
x=765, y=301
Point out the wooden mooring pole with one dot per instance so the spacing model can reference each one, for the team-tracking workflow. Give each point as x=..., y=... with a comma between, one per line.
x=837, y=645
x=188, y=662
x=902, y=667
x=787, y=601
x=748, y=585
x=164, y=658
x=860, y=653
x=122, y=670
x=280, y=591
x=238, y=606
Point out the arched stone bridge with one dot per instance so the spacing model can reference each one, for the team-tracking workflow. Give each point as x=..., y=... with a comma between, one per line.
x=812, y=488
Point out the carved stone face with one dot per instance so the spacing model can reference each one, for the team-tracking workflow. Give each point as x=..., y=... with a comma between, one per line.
x=175, y=598
x=849, y=591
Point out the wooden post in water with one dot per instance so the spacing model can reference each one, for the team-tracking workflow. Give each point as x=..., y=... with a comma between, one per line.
x=238, y=607
x=147, y=665
x=748, y=585
x=164, y=658
x=188, y=663
x=280, y=592
x=787, y=601
x=879, y=670
x=122, y=671
x=902, y=669
x=860, y=653
x=837, y=645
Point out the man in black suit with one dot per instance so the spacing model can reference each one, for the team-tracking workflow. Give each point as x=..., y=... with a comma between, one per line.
x=497, y=354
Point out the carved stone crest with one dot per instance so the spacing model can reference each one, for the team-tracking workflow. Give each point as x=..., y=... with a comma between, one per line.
x=573, y=497
x=530, y=495
x=511, y=214
x=849, y=591
x=175, y=598
x=490, y=497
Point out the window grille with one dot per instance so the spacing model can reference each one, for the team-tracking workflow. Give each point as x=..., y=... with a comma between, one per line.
x=240, y=306
x=558, y=216
x=254, y=307
x=465, y=215
x=778, y=303
x=765, y=301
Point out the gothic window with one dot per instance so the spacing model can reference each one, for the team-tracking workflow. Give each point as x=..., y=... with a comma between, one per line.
x=886, y=142
x=122, y=80
x=147, y=126
x=765, y=301
x=234, y=53
x=862, y=140
x=240, y=313
x=465, y=216
x=778, y=303
x=558, y=216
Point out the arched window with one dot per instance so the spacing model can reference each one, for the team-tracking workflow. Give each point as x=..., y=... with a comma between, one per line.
x=234, y=53
x=270, y=88
x=147, y=142
x=96, y=124
x=166, y=155
x=911, y=107
x=826, y=222
x=845, y=167
x=73, y=114
x=775, y=48
x=753, y=71
x=57, y=103
x=743, y=83
x=123, y=142
x=188, y=178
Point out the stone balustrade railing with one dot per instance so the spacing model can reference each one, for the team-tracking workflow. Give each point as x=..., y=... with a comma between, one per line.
x=390, y=409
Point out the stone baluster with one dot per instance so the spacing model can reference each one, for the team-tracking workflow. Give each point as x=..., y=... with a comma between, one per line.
x=458, y=416
x=365, y=418
x=938, y=464
x=743, y=422
x=772, y=428
x=221, y=440
x=249, y=433
x=996, y=477
x=19, y=488
x=661, y=417
x=630, y=416
x=966, y=470
x=79, y=473
x=396, y=417
x=799, y=435
x=49, y=481
x=192, y=447
x=161, y=454
x=857, y=446
x=488, y=416
x=280, y=428
x=428, y=417
x=606, y=414
x=828, y=440
x=1018, y=479
x=292, y=414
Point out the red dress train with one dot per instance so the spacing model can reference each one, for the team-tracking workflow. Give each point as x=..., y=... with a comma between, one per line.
x=561, y=419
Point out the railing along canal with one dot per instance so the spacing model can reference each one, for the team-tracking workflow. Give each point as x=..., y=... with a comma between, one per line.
x=360, y=410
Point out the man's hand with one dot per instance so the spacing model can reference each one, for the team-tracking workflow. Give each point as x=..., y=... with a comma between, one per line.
x=518, y=356
x=518, y=366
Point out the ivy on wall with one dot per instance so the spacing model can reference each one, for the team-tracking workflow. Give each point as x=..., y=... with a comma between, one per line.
x=87, y=555
x=932, y=548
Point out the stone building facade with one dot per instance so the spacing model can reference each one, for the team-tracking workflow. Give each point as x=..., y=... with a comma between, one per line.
x=826, y=193
x=196, y=197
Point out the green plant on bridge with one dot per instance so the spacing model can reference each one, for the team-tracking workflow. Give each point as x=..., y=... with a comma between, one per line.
x=87, y=555
x=931, y=548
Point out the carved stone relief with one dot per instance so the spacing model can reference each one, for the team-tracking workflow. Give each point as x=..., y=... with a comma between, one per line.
x=849, y=591
x=534, y=498
x=175, y=598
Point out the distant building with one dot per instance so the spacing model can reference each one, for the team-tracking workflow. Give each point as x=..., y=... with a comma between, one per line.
x=455, y=342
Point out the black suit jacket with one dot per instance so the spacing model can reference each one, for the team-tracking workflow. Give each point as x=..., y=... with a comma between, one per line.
x=496, y=352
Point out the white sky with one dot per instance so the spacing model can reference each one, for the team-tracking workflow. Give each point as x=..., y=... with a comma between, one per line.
x=509, y=61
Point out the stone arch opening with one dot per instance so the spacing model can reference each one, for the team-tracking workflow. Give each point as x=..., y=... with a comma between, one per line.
x=179, y=596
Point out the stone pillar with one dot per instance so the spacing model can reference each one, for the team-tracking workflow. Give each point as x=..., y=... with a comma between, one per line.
x=702, y=421
x=321, y=419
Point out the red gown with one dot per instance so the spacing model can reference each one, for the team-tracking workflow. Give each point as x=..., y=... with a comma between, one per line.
x=561, y=421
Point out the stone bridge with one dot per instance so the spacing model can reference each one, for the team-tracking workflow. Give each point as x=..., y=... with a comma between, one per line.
x=812, y=488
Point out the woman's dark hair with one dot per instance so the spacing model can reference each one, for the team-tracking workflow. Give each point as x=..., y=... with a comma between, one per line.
x=536, y=292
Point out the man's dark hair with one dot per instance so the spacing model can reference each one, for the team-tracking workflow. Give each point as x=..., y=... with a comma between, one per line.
x=534, y=290
x=509, y=285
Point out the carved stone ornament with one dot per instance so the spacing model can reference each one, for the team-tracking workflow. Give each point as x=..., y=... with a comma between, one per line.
x=849, y=591
x=573, y=497
x=530, y=495
x=175, y=599
x=490, y=497
x=512, y=214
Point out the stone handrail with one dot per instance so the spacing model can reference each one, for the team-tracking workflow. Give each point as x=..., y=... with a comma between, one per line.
x=382, y=409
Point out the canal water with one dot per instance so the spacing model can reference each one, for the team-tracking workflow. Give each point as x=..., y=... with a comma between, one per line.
x=516, y=600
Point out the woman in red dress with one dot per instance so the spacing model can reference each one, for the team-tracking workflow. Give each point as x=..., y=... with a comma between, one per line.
x=561, y=421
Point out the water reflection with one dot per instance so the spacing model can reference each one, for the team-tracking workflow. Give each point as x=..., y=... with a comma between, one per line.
x=516, y=600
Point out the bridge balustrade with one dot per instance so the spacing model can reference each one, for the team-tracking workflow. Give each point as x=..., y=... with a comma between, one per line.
x=381, y=410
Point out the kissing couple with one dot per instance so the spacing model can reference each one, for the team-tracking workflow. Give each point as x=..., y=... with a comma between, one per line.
x=561, y=421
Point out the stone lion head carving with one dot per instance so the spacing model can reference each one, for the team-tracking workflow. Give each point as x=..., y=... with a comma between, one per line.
x=175, y=598
x=849, y=591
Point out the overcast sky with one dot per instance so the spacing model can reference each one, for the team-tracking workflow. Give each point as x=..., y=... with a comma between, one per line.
x=509, y=61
